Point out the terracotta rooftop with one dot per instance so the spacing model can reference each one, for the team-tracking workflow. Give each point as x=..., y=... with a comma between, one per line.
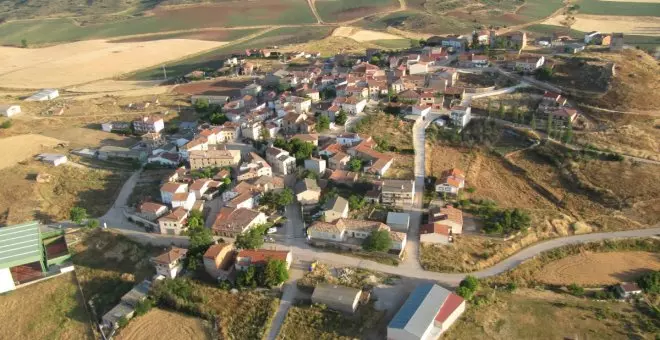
x=171, y=187
x=260, y=256
x=150, y=207
x=177, y=215
x=174, y=254
x=199, y=184
x=435, y=228
x=447, y=213
x=216, y=249
x=234, y=220
x=180, y=196
x=343, y=176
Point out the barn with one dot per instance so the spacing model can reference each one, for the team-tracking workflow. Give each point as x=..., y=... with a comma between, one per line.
x=27, y=255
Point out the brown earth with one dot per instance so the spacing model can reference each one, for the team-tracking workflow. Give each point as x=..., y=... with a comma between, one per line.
x=214, y=87
x=165, y=325
x=18, y=148
x=599, y=268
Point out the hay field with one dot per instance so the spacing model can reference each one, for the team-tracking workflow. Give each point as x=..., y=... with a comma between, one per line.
x=18, y=148
x=641, y=25
x=52, y=309
x=599, y=268
x=87, y=61
x=360, y=35
x=165, y=325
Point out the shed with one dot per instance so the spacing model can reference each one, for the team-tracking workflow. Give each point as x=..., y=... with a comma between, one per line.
x=9, y=110
x=43, y=95
x=340, y=298
x=52, y=158
x=398, y=221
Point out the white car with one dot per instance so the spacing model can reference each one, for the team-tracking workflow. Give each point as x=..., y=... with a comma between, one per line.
x=271, y=230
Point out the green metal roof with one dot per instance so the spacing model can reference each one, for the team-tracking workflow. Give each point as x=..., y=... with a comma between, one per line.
x=20, y=244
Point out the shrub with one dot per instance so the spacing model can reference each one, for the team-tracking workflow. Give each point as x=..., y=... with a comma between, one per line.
x=575, y=289
x=465, y=293
x=92, y=224
x=6, y=124
x=142, y=307
x=471, y=282
x=650, y=282
x=379, y=240
x=78, y=214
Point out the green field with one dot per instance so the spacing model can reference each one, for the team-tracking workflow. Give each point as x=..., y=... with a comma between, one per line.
x=418, y=22
x=393, y=43
x=343, y=10
x=599, y=7
x=214, y=35
x=213, y=59
x=541, y=30
x=642, y=41
x=269, y=12
x=539, y=9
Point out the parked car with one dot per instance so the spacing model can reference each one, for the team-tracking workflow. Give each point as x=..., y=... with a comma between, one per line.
x=271, y=230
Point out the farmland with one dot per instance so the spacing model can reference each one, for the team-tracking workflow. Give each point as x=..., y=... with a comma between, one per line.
x=620, y=7
x=18, y=148
x=344, y=10
x=204, y=34
x=642, y=25
x=86, y=61
x=52, y=309
x=267, y=12
x=213, y=59
x=599, y=268
x=166, y=325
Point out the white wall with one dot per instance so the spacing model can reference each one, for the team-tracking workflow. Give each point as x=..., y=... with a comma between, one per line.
x=6, y=281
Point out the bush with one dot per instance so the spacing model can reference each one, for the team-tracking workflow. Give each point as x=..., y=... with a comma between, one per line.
x=142, y=307
x=576, y=290
x=650, y=282
x=379, y=240
x=471, y=282
x=78, y=214
x=6, y=124
x=511, y=286
x=92, y=224
x=465, y=293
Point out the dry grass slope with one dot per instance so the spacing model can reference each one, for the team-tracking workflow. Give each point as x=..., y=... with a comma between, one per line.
x=165, y=325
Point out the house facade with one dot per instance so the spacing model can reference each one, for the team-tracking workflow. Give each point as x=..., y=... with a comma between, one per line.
x=397, y=192
x=213, y=158
x=174, y=223
x=170, y=263
x=218, y=260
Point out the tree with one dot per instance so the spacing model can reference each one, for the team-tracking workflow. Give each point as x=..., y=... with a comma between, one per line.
x=356, y=202
x=252, y=239
x=465, y=293
x=355, y=164
x=378, y=240
x=275, y=273
x=218, y=118
x=515, y=113
x=533, y=123
x=548, y=128
x=247, y=278
x=323, y=123
x=375, y=60
x=201, y=105
x=144, y=306
x=78, y=214
x=470, y=282
x=491, y=108
x=575, y=289
x=200, y=239
x=195, y=219
x=341, y=117
x=568, y=134
x=650, y=282
x=24, y=43
x=544, y=73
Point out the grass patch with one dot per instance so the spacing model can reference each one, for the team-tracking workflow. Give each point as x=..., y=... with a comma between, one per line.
x=52, y=309
x=318, y=322
x=539, y=9
x=547, y=30
x=397, y=132
x=393, y=43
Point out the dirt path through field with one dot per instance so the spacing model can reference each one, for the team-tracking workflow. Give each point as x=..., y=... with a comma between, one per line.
x=599, y=268
x=312, y=6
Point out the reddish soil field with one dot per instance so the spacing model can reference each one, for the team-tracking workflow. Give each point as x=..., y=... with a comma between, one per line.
x=358, y=12
x=210, y=35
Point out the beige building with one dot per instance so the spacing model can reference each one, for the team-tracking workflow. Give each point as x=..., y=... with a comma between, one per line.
x=335, y=208
x=170, y=264
x=219, y=260
x=174, y=223
x=308, y=192
x=213, y=158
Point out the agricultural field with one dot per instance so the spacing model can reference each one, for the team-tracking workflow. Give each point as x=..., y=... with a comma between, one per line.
x=361, y=35
x=393, y=43
x=345, y=10
x=52, y=309
x=160, y=19
x=92, y=60
x=588, y=269
x=203, y=34
x=225, y=87
x=19, y=148
x=162, y=324
x=620, y=7
x=526, y=314
x=642, y=25
x=213, y=59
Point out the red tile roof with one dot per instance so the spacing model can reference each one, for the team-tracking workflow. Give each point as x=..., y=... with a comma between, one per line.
x=150, y=207
x=170, y=256
x=435, y=228
x=215, y=250
x=448, y=307
x=178, y=214
x=170, y=187
x=261, y=256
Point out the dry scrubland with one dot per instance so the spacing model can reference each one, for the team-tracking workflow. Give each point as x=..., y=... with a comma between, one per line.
x=23, y=199
x=165, y=325
x=534, y=314
x=86, y=61
x=18, y=148
x=361, y=35
x=53, y=309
